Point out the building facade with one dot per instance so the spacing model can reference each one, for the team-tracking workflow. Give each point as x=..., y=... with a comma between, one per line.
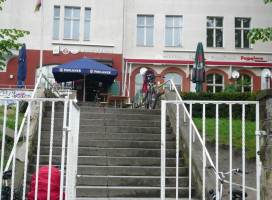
x=159, y=35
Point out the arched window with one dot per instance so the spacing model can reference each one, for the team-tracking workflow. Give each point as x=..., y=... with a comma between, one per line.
x=176, y=78
x=244, y=83
x=215, y=82
x=139, y=79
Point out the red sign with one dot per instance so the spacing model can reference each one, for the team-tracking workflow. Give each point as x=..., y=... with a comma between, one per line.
x=248, y=58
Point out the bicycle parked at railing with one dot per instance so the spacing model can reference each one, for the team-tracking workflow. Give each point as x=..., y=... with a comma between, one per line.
x=149, y=87
x=236, y=194
x=6, y=190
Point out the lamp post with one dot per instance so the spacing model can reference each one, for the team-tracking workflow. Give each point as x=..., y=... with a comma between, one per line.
x=266, y=74
x=267, y=77
x=235, y=75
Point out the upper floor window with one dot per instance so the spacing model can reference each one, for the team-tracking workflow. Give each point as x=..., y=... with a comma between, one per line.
x=173, y=31
x=145, y=30
x=71, y=23
x=244, y=83
x=177, y=80
x=56, y=22
x=242, y=28
x=214, y=32
x=215, y=83
x=87, y=24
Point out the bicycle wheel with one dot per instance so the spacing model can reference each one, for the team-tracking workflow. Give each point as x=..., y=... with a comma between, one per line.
x=153, y=98
x=146, y=100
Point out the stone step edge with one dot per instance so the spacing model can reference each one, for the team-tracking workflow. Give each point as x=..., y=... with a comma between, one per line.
x=128, y=198
x=129, y=187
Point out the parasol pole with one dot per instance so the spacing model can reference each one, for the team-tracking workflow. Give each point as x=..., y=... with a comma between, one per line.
x=41, y=42
x=84, y=88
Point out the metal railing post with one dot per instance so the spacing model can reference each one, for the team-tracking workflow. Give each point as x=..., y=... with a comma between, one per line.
x=163, y=147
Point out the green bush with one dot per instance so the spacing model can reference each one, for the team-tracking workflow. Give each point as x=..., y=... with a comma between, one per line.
x=223, y=108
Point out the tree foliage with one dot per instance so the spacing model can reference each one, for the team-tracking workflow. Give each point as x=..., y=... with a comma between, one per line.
x=263, y=34
x=8, y=38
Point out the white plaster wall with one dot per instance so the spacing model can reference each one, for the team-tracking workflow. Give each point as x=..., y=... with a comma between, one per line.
x=107, y=25
x=106, y=22
x=194, y=24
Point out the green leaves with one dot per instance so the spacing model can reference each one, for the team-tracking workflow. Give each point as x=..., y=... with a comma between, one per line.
x=8, y=42
x=1, y=1
x=263, y=34
x=266, y=1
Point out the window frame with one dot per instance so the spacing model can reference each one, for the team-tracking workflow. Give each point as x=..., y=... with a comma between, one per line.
x=89, y=22
x=214, y=84
x=145, y=27
x=242, y=77
x=242, y=29
x=215, y=28
x=173, y=28
x=57, y=35
x=72, y=20
x=172, y=78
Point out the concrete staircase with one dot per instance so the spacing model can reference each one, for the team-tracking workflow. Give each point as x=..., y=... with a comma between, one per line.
x=119, y=154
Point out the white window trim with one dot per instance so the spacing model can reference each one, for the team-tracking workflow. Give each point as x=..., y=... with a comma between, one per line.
x=145, y=28
x=172, y=78
x=216, y=84
x=173, y=33
x=214, y=32
x=242, y=29
x=72, y=24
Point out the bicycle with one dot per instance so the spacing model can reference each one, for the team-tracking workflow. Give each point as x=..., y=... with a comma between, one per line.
x=6, y=190
x=151, y=97
x=236, y=194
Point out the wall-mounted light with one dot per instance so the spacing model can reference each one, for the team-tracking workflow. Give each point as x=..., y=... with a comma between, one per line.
x=235, y=75
x=266, y=74
x=11, y=76
x=143, y=70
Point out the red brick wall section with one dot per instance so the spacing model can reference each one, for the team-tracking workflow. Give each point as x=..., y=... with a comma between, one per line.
x=33, y=61
x=256, y=79
x=132, y=80
x=217, y=71
x=186, y=82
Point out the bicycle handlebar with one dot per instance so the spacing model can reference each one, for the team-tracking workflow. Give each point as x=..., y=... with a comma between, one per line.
x=238, y=170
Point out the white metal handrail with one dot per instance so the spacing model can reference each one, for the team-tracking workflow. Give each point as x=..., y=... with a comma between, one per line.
x=193, y=130
x=25, y=116
x=179, y=100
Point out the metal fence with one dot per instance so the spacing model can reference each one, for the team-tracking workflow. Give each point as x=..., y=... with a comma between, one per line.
x=27, y=141
x=34, y=127
x=200, y=155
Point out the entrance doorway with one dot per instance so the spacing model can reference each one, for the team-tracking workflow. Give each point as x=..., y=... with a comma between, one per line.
x=92, y=89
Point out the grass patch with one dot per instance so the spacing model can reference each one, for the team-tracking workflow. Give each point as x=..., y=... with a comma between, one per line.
x=250, y=128
x=11, y=117
x=10, y=123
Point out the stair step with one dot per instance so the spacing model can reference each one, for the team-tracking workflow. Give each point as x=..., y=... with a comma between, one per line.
x=131, y=198
x=114, y=161
x=114, y=143
x=114, y=191
x=142, y=181
x=111, y=129
x=120, y=152
x=120, y=116
x=111, y=122
x=129, y=170
x=113, y=136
